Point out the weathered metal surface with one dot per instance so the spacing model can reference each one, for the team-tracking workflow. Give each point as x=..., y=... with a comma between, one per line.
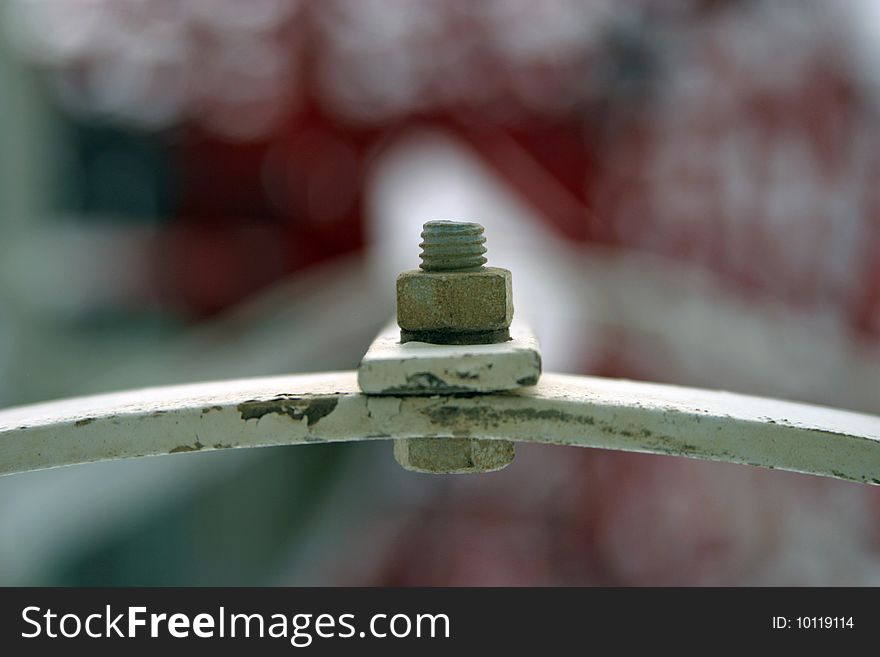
x=453, y=300
x=452, y=246
x=417, y=368
x=561, y=410
x=453, y=455
x=454, y=306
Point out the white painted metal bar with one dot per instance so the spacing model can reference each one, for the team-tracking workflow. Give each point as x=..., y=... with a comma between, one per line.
x=560, y=410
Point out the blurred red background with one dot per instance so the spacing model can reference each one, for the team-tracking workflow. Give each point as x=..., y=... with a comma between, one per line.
x=731, y=146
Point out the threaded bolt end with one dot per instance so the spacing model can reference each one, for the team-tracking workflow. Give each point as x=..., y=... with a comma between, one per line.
x=452, y=246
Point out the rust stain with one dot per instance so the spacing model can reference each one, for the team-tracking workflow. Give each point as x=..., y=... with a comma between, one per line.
x=487, y=416
x=295, y=408
x=195, y=447
x=457, y=417
x=425, y=382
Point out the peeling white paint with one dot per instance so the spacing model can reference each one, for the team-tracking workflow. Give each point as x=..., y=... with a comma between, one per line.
x=560, y=409
x=418, y=368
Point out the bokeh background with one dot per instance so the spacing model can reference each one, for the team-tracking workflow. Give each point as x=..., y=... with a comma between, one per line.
x=686, y=191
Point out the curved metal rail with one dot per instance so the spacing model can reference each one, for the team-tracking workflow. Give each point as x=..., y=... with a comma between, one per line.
x=559, y=410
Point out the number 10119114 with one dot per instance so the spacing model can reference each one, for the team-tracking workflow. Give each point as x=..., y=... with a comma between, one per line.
x=813, y=623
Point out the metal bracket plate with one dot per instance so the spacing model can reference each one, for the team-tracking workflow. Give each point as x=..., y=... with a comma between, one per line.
x=418, y=368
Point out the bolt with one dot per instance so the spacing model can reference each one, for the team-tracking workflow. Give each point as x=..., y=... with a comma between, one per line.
x=452, y=246
x=454, y=299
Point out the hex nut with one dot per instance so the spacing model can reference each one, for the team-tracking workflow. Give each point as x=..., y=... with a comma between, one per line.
x=453, y=455
x=455, y=302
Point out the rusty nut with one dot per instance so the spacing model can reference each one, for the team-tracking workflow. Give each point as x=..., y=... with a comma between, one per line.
x=453, y=455
x=439, y=303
